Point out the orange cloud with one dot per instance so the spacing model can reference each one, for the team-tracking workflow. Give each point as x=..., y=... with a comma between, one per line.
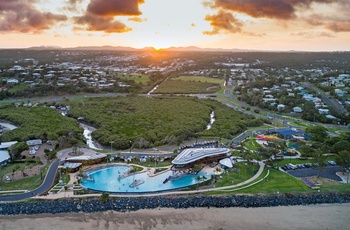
x=22, y=16
x=100, y=15
x=115, y=7
x=277, y=10
x=98, y=23
x=137, y=19
x=223, y=21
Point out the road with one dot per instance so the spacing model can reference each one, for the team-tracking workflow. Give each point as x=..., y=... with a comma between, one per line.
x=331, y=102
x=44, y=187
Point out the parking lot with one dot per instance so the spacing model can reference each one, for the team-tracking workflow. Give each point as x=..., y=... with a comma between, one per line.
x=328, y=172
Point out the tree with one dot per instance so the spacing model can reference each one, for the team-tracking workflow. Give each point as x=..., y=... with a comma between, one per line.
x=320, y=161
x=340, y=146
x=317, y=133
x=343, y=159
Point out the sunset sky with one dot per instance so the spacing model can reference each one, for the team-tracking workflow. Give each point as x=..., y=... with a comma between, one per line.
x=310, y=25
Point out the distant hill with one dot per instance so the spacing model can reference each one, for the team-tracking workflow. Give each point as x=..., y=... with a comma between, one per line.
x=123, y=48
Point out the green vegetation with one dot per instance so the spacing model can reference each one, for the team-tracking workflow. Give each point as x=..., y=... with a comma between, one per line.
x=277, y=182
x=139, y=79
x=199, y=79
x=144, y=122
x=187, y=87
x=28, y=183
x=243, y=173
x=299, y=123
x=39, y=122
x=19, y=88
x=251, y=144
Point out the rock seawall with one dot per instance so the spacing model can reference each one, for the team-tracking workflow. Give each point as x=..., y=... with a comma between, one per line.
x=132, y=204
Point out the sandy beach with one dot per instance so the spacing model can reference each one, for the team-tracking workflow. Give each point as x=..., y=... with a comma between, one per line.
x=326, y=216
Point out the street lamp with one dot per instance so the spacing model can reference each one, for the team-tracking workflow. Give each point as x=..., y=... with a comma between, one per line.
x=130, y=145
x=111, y=142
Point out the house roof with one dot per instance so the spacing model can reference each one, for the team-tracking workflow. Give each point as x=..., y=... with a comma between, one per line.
x=4, y=156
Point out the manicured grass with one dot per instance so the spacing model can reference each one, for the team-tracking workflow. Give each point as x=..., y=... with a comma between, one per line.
x=18, y=166
x=187, y=87
x=245, y=172
x=199, y=79
x=251, y=144
x=28, y=183
x=18, y=88
x=277, y=182
x=299, y=123
x=143, y=79
x=221, y=91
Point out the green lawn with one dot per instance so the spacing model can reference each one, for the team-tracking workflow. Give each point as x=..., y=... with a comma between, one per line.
x=251, y=144
x=277, y=182
x=17, y=166
x=18, y=88
x=199, y=79
x=299, y=123
x=235, y=177
x=143, y=79
x=28, y=183
x=174, y=85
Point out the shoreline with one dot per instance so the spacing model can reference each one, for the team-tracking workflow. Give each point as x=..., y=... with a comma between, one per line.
x=320, y=216
x=132, y=204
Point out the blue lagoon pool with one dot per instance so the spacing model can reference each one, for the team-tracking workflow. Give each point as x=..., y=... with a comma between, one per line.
x=107, y=180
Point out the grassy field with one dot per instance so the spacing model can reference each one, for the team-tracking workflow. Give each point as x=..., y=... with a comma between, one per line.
x=187, y=87
x=299, y=123
x=17, y=166
x=251, y=144
x=143, y=79
x=234, y=177
x=18, y=88
x=199, y=79
x=28, y=183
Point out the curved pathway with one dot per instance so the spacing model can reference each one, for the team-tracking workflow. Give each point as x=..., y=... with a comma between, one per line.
x=44, y=187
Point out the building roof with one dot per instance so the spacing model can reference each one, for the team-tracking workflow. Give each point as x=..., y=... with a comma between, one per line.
x=86, y=158
x=6, y=145
x=226, y=162
x=71, y=165
x=286, y=132
x=194, y=154
x=4, y=156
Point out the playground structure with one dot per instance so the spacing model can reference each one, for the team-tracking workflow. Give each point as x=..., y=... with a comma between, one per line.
x=267, y=137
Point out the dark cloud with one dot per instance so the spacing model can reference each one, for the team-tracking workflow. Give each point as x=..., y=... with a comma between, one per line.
x=338, y=23
x=22, y=16
x=99, y=15
x=280, y=9
x=98, y=23
x=115, y=7
x=223, y=21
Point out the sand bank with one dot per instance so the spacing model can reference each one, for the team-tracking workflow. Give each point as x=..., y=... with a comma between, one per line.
x=327, y=216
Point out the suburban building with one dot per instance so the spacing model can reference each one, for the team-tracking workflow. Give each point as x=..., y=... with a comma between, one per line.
x=189, y=157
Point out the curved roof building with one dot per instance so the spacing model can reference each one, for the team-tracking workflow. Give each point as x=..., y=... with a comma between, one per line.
x=190, y=156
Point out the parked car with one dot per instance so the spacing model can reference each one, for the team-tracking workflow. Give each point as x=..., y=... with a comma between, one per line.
x=332, y=163
x=7, y=178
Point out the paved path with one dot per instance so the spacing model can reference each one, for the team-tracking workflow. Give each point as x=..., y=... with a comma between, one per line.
x=44, y=187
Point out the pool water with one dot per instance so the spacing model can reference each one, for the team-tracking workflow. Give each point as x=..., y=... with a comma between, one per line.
x=108, y=180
